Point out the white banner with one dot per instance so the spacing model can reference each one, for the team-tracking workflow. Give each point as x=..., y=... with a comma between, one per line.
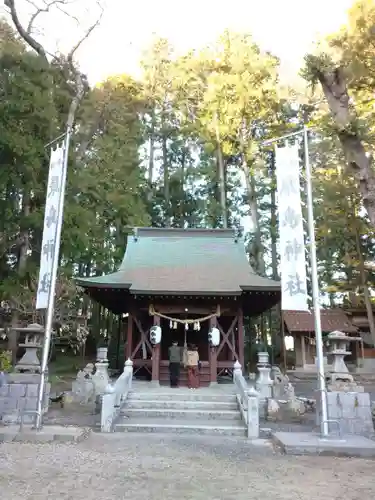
x=54, y=190
x=292, y=244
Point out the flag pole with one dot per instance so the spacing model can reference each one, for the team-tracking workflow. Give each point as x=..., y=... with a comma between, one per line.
x=314, y=276
x=52, y=286
x=315, y=289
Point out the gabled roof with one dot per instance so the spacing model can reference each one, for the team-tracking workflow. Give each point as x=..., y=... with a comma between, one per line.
x=184, y=261
x=332, y=319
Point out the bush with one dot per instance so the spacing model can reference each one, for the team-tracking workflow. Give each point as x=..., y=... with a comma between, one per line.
x=5, y=361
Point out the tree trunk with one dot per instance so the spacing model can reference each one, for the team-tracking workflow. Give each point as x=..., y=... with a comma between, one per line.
x=151, y=159
x=182, y=198
x=24, y=236
x=221, y=176
x=364, y=286
x=336, y=92
x=257, y=250
x=166, y=182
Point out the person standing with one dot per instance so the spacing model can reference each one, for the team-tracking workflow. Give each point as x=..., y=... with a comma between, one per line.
x=175, y=359
x=193, y=367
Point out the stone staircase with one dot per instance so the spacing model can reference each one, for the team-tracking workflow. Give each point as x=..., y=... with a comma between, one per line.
x=182, y=411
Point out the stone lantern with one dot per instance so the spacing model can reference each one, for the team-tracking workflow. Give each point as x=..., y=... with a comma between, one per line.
x=339, y=342
x=264, y=382
x=29, y=363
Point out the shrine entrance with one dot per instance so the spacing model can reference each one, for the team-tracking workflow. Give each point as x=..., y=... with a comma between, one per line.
x=173, y=331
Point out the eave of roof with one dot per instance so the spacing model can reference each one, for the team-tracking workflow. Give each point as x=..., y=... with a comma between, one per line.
x=177, y=261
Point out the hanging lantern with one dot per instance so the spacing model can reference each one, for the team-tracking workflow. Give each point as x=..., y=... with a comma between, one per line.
x=170, y=324
x=175, y=325
x=186, y=326
x=198, y=326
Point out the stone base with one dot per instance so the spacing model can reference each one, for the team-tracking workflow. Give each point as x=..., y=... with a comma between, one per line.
x=352, y=411
x=24, y=378
x=18, y=401
x=339, y=386
x=47, y=434
x=304, y=443
x=155, y=383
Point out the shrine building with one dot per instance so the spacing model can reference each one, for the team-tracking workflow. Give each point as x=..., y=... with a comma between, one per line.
x=187, y=281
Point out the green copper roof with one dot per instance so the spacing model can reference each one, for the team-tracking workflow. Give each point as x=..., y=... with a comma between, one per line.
x=182, y=261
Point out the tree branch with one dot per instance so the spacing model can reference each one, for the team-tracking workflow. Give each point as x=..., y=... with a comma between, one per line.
x=30, y=40
x=39, y=10
x=81, y=84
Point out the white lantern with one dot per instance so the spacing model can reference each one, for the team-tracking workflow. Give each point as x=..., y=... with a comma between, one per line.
x=155, y=335
x=214, y=337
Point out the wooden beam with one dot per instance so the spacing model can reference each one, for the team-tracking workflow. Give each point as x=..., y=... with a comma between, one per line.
x=226, y=338
x=212, y=356
x=129, y=337
x=241, y=339
x=143, y=338
x=156, y=356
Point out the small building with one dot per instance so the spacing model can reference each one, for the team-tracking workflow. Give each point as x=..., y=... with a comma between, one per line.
x=359, y=318
x=187, y=281
x=301, y=326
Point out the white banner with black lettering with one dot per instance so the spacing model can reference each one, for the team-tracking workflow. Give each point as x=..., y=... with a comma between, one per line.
x=54, y=191
x=292, y=244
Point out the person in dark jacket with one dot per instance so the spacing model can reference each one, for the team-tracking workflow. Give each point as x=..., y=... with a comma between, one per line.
x=175, y=359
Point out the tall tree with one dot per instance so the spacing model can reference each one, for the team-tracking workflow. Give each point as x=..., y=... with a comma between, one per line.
x=347, y=68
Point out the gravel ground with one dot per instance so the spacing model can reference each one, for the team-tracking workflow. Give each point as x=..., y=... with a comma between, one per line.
x=169, y=467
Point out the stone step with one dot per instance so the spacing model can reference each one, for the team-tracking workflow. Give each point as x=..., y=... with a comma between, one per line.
x=180, y=404
x=184, y=414
x=182, y=394
x=227, y=428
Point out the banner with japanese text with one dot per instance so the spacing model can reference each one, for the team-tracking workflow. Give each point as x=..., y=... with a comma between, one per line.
x=54, y=191
x=292, y=244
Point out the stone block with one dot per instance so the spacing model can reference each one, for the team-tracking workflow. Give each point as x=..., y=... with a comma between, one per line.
x=4, y=390
x=30, y=403
x=24, y=378
x=363, y=399
x=21, y=403
x=32, y=390
x=9, y=404
x=17, y=390
x=352, y=412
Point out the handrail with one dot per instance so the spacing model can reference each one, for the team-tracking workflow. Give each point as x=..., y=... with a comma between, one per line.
x=114, y=398
x=248, y=401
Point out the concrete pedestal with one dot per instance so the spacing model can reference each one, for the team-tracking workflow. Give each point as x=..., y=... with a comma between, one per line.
x=19, y=401
x=303, y=443
x=351, y=411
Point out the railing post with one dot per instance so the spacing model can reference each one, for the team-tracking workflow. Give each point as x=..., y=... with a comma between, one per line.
x=237, y=371
x=128, y=369
x=252, y=414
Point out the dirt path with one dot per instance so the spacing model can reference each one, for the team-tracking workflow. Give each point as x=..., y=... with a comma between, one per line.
x=119, y=466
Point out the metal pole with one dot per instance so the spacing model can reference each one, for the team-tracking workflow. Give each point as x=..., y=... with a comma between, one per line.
x=315, y=289
x=51, y=297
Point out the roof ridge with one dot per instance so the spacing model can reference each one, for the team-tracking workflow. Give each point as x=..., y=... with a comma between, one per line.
x=182, y=232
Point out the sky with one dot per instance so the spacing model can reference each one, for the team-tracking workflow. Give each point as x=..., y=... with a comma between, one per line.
x=288, y=28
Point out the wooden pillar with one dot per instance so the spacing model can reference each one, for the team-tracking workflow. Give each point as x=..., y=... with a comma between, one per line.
x=129, y=337
x=213, y=356
x=303, y=351
x=241, y=339
x=156, y=357
x=282, y=327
